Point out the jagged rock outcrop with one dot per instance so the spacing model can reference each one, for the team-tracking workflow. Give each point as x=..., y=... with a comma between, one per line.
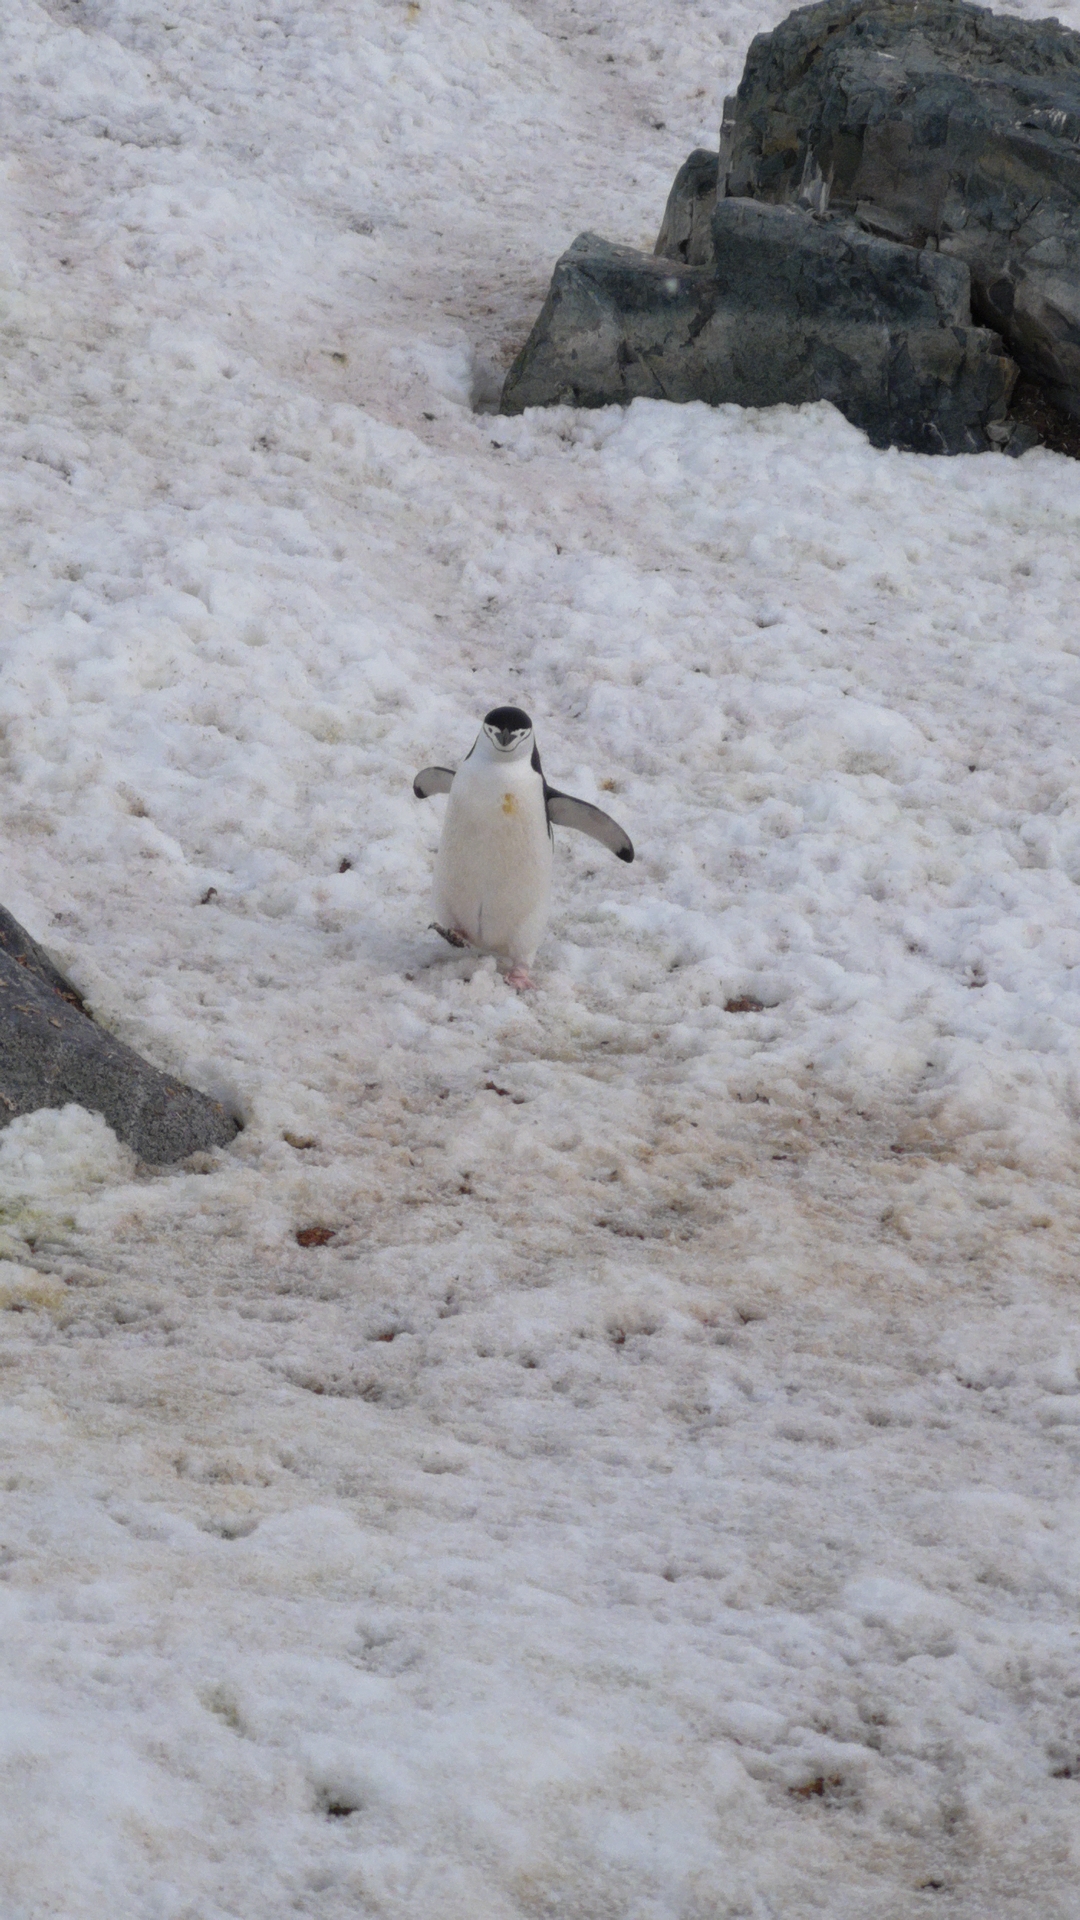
x=53, y=1052
x=938, y=122
x=891, y=133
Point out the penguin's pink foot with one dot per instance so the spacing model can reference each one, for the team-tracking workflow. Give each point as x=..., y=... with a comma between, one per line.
x=520, y=977
x=453, y=934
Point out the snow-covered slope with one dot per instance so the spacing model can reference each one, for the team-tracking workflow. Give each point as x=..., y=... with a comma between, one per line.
x=658, y=1497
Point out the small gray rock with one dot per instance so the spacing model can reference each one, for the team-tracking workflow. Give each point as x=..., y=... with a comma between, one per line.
x=686, y=229
x=1023, y=437
x=53, y=1052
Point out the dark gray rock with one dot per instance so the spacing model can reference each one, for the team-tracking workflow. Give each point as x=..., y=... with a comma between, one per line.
x=832, y=271
x=934, y=121
x=52, y=1052
x=616, y=324
x=793, y=308
x=686, y=229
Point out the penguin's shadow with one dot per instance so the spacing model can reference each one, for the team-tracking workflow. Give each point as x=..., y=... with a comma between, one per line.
x=414, y=955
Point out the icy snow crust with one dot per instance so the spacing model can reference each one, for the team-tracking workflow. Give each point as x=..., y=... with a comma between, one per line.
x=658, y=1500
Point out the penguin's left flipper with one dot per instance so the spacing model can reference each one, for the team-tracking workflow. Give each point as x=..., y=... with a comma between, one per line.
x=432, y=780
x=564, y=811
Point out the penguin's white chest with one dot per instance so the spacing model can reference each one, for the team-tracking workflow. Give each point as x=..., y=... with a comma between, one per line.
x=493, y=868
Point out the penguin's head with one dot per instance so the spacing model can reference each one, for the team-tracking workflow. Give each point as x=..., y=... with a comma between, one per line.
x=508, y=732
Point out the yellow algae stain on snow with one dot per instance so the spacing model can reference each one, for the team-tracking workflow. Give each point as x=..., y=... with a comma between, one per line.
x=23, y=1289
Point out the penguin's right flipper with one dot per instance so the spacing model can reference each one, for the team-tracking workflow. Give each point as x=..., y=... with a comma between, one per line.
x=564, y=811
x=432, y=780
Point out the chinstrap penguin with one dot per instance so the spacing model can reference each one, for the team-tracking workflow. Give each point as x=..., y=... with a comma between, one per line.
x=493, y=867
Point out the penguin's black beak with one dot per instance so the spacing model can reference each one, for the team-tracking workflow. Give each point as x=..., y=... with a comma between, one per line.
x=506, y=735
